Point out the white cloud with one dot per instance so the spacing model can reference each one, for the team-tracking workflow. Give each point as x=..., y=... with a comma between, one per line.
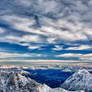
x=10, y=55
x=24, y=44
x=25, y=38
x=33, y=47
x=52, y=29
x=51, y=40
x=63, y=35
x=25, y=3
x=2, y=30
x=31, y=38
x=42, y=5
x=69, y=55
x=87, y=57
x=81, y=47
x=83, y=57
x=6, y=55
x=57, y=47
x=73, y=33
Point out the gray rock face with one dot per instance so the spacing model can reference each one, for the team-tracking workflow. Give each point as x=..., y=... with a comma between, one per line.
x=81, y=80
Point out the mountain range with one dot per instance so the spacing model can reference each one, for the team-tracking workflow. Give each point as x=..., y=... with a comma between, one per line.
x=12, y=81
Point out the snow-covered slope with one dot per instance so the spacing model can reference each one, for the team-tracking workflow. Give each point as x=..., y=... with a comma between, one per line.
x=81, y=80
x=15, y=82
x=45, y=88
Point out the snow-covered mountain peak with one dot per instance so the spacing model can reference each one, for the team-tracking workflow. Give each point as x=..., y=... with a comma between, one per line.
x=80, y=80
x=15, y=82
x=83, y=71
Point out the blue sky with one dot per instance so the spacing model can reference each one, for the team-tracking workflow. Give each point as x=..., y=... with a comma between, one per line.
x=46, y=29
